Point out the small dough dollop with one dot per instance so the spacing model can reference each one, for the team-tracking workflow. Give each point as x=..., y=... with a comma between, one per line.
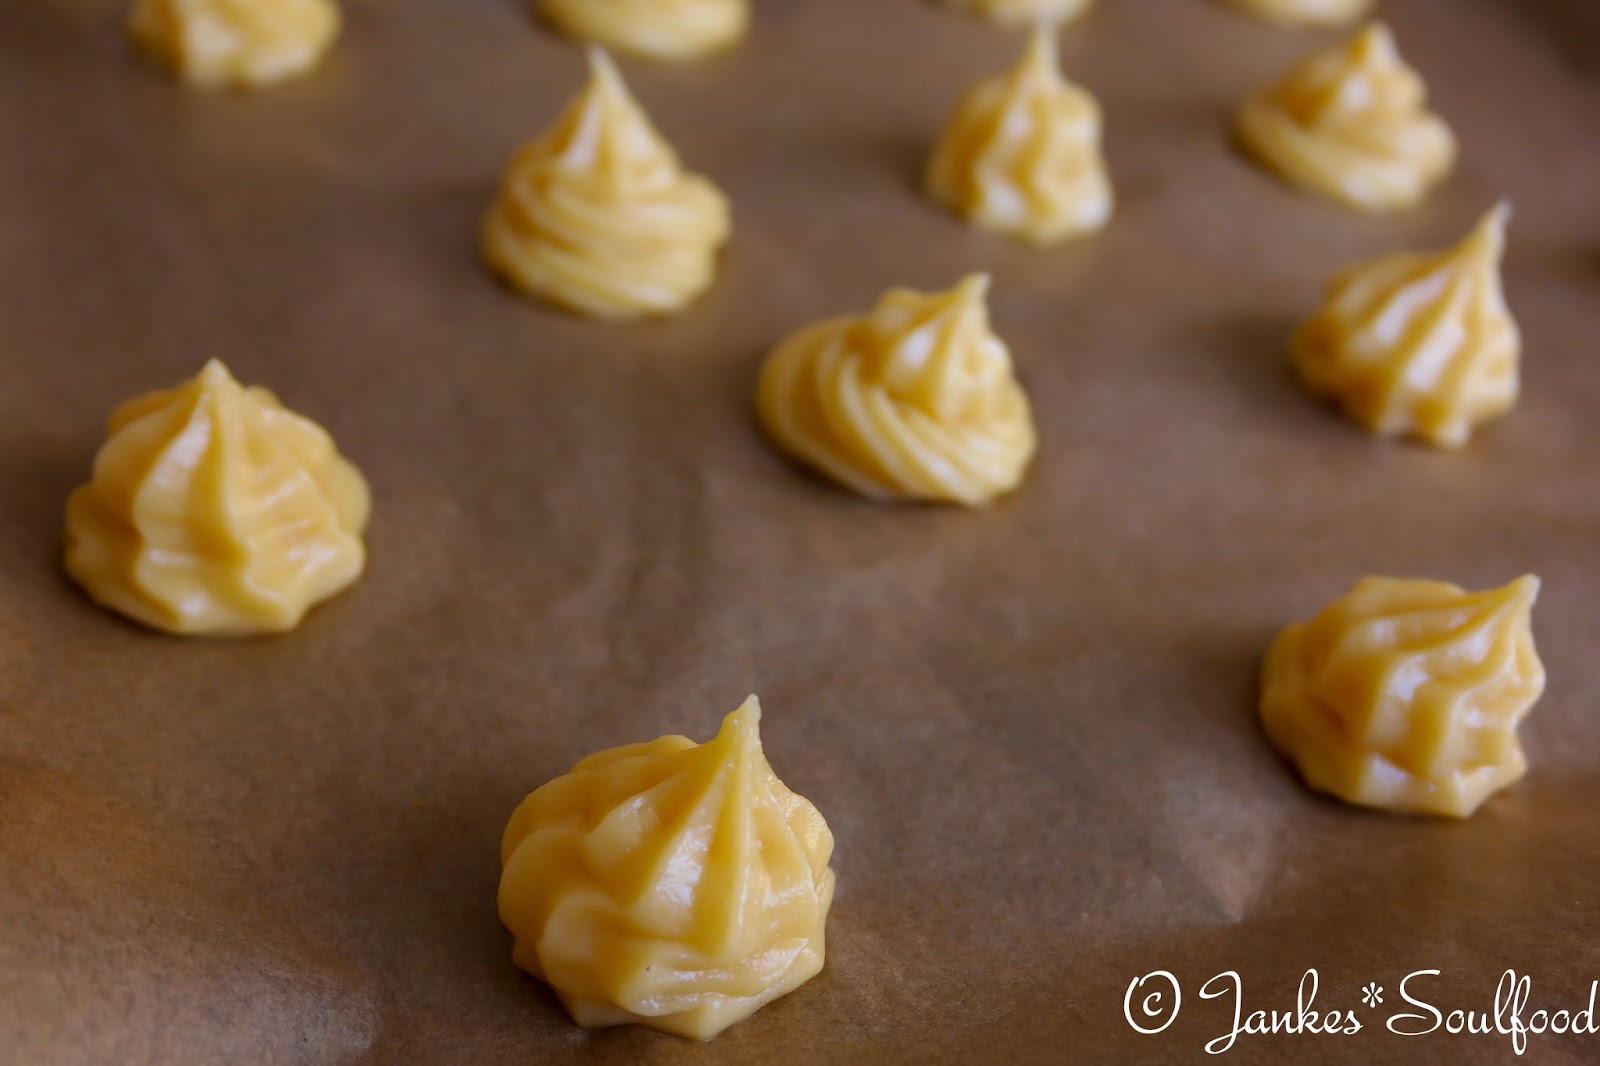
x=1351, y=123
x=1406, y=694
x=213, y=510
x=673, y=884
x=1418, y=344
x=235, y=43
x=1024, y=12
x=1304, y=12
x=673, y=30
x=1021, y=156
x=915, y=401
x=598, y=217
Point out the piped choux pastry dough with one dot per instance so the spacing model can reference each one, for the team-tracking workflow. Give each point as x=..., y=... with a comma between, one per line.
x=1298, y=13
x=1351, y=123
x=235, y=43
x=672, y=30
x=1418, y=344
x=916, y=400
x=213, y=510
x=1024, y=12
x=597, y=216
x=671, y=884
x=1407, y=694
x=1021, y=155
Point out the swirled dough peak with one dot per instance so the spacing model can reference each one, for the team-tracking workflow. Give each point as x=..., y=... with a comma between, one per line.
x=1304, y=12
x=673, y=30
x=1418, y=344
x=598, y=217
x=916, y=400
x=1407, y=694
x=1021, y=156
x=1024, y=12
x=214, y=510
x=673, y=884
x=1351, y=123
x=241, y=43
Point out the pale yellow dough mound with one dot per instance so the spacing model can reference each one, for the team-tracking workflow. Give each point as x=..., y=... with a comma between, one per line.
x=1407, y=694
x=237, y=43
x=1021, y=155
x=1304, y=12
x=672, y=30
x=673, y=884
x=1024, y=12
x=1351, y=123
x=915, y=401
x=597, y=216
x=1418, y=344
x=213, y=510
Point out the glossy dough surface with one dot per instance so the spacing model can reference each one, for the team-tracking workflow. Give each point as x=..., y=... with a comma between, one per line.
x=240, y=43
x=214, y=510
x=916, y=400
x=1406, y=694
x=673, y=30
x=597, y=215
x=1024, y=12
x=1305, y=12
x=1351, y=123
x=1021, y=155
x=1418, y=344
x=673, y=884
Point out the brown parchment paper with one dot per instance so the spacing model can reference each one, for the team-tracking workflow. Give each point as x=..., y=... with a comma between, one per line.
x=1031, y=728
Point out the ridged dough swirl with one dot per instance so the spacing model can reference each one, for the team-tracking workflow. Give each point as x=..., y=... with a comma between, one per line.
x=672, y=30
x=1351, y=123
x=1021, y=155
x=597, y=215
x=673, y=884
x=214, y=510
x=1304, y=12
x=238, y=43
x=1418, y=344
x=1024, y=12
x=915, y=401
x=1407, y=694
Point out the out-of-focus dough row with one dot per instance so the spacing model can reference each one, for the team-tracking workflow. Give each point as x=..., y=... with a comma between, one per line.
x=250, y=43
x=599, y=216
x=1021, y=155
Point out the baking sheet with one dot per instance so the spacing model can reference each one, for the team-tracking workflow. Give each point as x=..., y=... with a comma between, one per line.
x=1031, y=728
